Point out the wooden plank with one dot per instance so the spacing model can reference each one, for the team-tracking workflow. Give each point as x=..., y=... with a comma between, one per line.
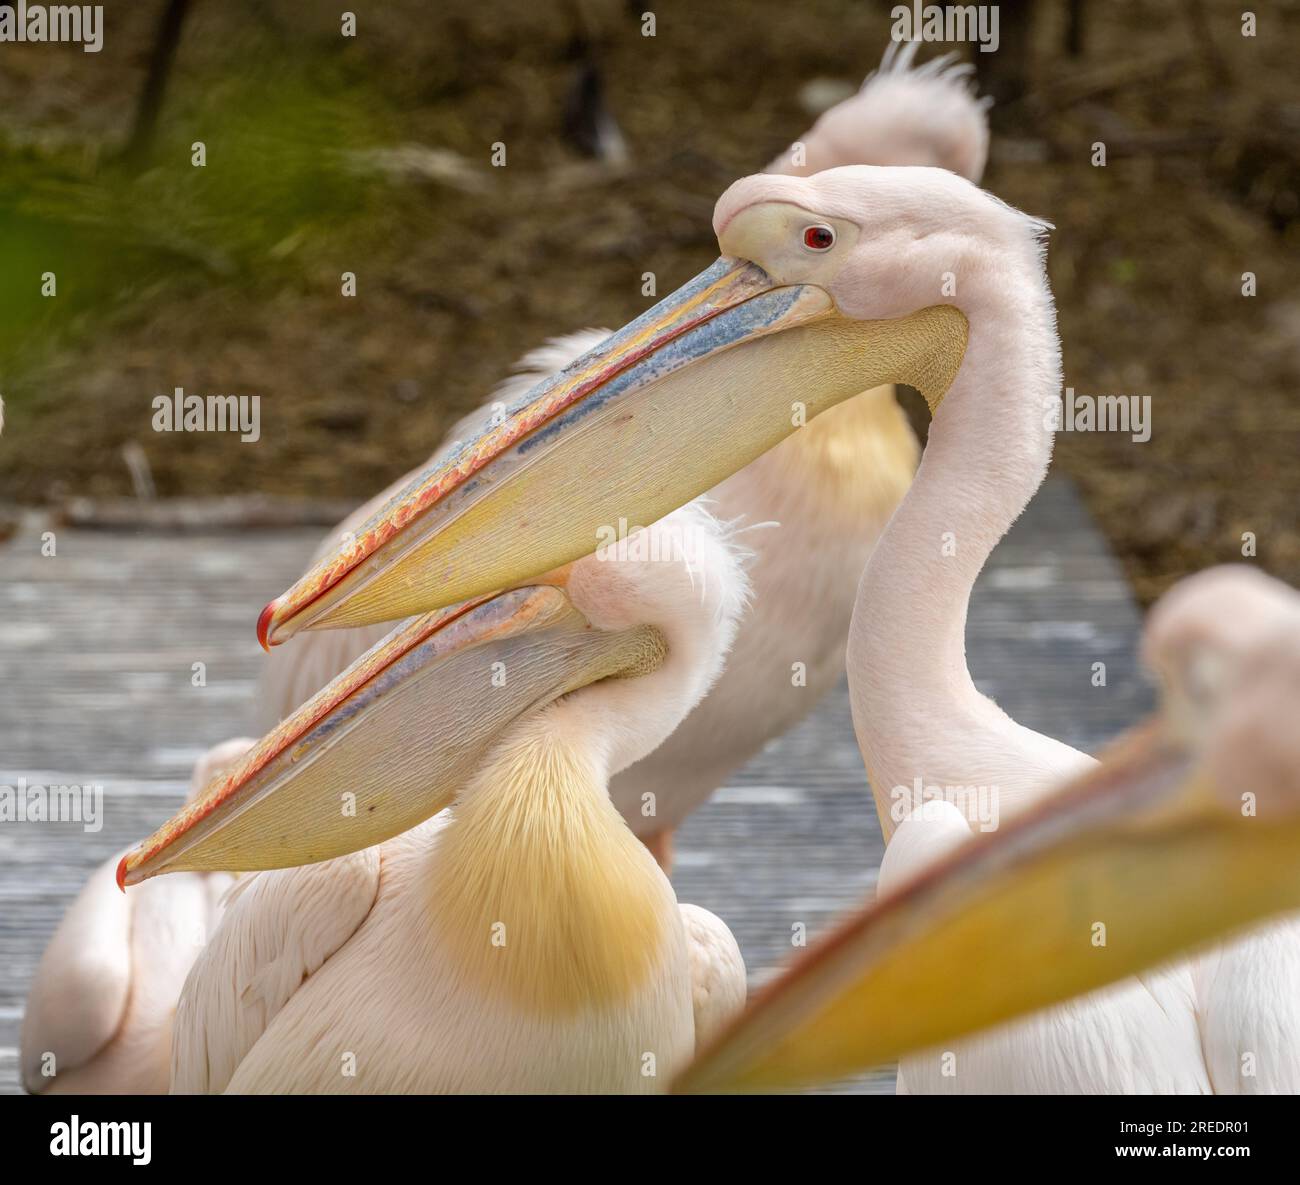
x=97, y=645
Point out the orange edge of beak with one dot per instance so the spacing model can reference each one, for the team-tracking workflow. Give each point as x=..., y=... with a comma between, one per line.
x=264, y=625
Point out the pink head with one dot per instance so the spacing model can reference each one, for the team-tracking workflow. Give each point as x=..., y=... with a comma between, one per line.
x=1226, y=645
x=895, y=234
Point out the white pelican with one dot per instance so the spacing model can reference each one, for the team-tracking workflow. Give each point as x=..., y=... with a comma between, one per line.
x=1189, y=829
x=99, y=1011
x=824, y=493
x=523, y=940
x=827, y=285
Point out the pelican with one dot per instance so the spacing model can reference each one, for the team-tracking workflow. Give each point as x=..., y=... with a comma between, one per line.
x=1189, y=828
x=99, y=1011
x=827, y=285
x=524, y=939
x=815, y=503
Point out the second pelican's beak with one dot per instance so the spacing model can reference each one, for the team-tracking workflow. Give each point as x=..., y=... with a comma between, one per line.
x=393, y=739
x=1128, y=866
x=684, y=396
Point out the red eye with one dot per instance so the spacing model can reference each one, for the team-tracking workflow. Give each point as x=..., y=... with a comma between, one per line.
x=819, y=238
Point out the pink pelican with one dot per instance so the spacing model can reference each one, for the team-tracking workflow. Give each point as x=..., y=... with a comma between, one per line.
x=1190, y=828
x=522, y=940
x=99, y=1011
x=817, y=501
x=828, y=285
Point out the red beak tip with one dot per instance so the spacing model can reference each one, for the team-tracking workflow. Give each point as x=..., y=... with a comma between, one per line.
x=264, y=626
x=121, y=874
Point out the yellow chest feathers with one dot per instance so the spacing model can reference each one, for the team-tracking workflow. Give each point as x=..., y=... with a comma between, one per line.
x=540, y=891
x=855, y=459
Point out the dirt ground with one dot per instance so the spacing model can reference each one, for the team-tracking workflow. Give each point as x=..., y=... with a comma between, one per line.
x=226, y=279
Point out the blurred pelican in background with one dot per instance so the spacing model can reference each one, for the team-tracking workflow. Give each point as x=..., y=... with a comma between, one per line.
x=818, y=500
x=99, y=1011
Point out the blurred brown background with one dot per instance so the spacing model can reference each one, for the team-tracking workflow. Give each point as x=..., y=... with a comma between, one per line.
x=225, y=279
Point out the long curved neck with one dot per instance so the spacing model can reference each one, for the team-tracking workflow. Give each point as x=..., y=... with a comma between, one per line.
x=988, y=450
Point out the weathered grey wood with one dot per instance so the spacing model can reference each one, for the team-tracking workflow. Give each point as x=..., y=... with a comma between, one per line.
x=96, y=653
x=239, y=512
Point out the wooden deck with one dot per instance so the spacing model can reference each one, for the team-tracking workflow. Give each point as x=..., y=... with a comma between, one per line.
x=97, y=645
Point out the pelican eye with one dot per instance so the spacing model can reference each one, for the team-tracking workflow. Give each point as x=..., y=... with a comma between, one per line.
x=818, y=238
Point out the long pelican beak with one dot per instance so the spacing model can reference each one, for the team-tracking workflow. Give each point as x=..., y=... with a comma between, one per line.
x=1124, y=868
x=392, y=739
x=661, y=411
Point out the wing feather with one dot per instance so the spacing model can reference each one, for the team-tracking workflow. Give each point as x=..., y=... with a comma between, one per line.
x=79, y=993
x=279, y=927
x=717, y=972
